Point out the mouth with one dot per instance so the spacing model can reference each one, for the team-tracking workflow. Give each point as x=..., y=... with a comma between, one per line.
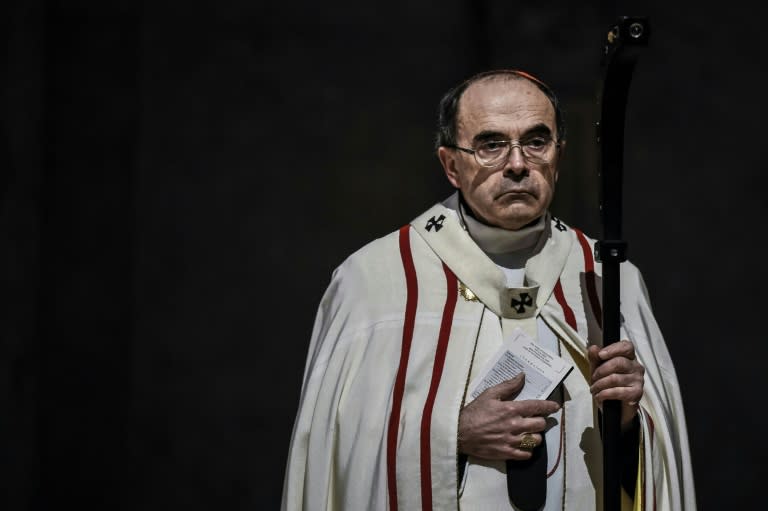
x=515, y=194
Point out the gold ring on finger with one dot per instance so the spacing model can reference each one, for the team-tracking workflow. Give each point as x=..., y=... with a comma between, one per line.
x=528, y=442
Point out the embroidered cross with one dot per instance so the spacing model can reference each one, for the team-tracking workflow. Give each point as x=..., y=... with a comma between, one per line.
x=559, y=225
x=436, y=223
x=524, y=301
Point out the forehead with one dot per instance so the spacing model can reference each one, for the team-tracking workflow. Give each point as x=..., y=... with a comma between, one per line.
x=504, y=105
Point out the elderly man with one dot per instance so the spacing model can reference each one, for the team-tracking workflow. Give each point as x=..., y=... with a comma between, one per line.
x=409, y=323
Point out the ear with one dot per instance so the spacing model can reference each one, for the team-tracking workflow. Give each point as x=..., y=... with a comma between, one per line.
x=447, y=158
x=559, y=157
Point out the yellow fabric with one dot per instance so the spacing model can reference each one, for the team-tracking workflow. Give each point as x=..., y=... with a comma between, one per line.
x=635, y=504
x=640, y=483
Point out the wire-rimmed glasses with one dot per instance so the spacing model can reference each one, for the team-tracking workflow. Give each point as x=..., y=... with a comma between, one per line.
x=538, y=150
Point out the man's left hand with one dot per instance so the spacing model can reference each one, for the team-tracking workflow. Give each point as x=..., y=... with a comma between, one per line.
x=617, y=375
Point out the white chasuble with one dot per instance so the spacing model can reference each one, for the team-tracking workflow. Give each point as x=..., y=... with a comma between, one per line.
x=402, y=325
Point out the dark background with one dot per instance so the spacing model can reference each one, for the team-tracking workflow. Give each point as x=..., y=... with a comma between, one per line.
x=179, y=179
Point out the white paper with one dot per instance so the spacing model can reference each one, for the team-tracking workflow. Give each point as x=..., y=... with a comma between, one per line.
x=544, y=370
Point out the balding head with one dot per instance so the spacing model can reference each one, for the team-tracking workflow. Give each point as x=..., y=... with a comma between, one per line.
x=448, y=109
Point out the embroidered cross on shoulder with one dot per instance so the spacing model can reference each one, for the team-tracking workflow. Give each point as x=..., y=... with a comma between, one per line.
x=437, y=223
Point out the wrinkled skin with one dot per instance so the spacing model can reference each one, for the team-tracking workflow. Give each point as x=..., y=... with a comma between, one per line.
x=512, y=196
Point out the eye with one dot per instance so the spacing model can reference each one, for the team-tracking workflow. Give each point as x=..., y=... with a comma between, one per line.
x=493, y=146
x=537, y=143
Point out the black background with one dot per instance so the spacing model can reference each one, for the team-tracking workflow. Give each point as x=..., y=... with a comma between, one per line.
x=179, y=179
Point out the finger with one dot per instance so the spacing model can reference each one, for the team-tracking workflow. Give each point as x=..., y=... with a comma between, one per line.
x=499, y=452
x=527, y=441
x=505, y=390
x=509, y=448
x=519, y=454
x=619, y=365
x=594, y=358
x=513, y=453
x=623, y=348
x=525, y=445
x=522, y=425
x=616, y=380
x=618, y=386
x=627, y=395
x=536, y=407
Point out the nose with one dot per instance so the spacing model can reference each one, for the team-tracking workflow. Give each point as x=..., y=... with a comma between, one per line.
x=516, y=161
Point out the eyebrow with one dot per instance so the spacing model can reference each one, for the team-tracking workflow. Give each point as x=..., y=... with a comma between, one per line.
x=536, y=129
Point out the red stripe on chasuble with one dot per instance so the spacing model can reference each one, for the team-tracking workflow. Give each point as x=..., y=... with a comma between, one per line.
x=437, y=373
x=589, y=274
x=651, y=430
x=570, y=318
x=412, y=290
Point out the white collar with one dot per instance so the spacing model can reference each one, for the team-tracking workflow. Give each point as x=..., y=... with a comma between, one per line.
x=441, y=227
x=495, y=240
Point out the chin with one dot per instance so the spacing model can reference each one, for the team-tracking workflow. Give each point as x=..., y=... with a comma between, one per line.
x=516, y=226
x=519, y=219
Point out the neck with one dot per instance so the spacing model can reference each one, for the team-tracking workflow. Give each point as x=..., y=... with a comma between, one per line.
x=495, y=240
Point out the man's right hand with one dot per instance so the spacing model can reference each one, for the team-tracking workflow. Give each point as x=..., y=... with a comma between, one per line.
x=492, y=426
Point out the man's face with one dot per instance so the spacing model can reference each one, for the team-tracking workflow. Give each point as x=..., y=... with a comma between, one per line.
x=516, y=192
